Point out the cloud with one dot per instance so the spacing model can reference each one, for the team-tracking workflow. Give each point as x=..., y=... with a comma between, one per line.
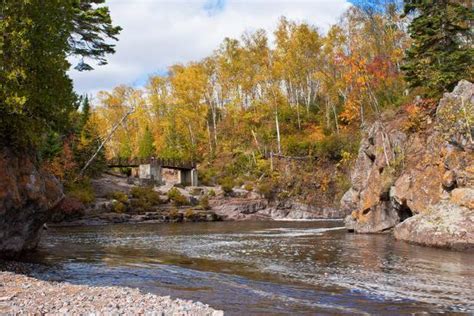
x=159, y=33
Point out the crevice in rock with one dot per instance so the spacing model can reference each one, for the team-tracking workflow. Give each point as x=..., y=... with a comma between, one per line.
x=404, y=212
x=371, y=156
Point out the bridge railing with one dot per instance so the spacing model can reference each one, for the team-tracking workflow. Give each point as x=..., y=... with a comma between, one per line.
x=165, y=163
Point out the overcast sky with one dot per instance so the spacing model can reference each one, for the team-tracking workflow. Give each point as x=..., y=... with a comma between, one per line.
x=159, y=33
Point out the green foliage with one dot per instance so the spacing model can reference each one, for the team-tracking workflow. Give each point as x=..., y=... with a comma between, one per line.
x=120, y=196
x=211, y=193
x=442, y=51
x=84, y=147
x=51, y=146
x=81, y=190
x=332, y=147
x=248, y=187
x=146, y=193
x=36, y=94
x=207, y=176
x=146, y=147
x=119, y=207
x=227, y=185
x=144, y=199
x=178, y=199
x=91, y=25
x=267, y=189
x=85, y=111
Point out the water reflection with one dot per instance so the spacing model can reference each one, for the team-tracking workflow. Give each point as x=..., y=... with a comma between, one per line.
x=265, y=267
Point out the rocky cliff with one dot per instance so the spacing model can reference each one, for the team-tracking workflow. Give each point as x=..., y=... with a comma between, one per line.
x=419, y=181
x=26, y=196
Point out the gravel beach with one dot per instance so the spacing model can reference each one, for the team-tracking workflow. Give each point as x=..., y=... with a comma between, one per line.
x=20, y=294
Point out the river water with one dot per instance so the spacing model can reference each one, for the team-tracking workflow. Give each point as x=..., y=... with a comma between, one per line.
x=254, y=268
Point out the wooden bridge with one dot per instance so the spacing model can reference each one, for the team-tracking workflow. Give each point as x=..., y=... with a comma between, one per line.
x=136, y=162
x=150, y=169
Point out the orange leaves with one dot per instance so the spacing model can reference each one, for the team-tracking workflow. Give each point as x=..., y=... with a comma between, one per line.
x=63, y=166
x=351, y=110
x=316, y=133
x=418, y=112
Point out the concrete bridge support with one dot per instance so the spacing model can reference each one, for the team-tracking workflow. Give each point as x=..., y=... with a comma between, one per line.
x=188, y=177
x=150, y=174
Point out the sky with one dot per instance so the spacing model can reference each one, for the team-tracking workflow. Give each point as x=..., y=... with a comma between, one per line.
x=159, y=33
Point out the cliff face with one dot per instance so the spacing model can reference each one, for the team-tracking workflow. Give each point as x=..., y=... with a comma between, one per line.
x=26, y=196
x=417, y=177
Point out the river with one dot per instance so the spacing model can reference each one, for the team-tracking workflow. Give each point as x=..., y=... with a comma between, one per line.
x=254, y=268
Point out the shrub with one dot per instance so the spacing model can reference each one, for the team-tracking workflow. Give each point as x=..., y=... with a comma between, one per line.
x=266, y=189
x=418, y=113
x=146, y=193
x=144, y=199
x=120, y=196
x=248, y=187
x=207, y=176
x=227, y=185
x=189, y=215
x=69, y=208
x=81, y=191
x=211, y=193
x=204, y=203
x=178, y=199
x=174, y=214
x=332, y=147
x=118, y=207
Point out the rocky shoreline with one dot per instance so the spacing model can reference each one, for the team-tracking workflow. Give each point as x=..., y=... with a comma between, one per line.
x=21, y=294
x=238, y=205
x=419, y=182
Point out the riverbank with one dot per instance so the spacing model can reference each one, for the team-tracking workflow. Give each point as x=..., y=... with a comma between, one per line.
x=21, y=294
x=118, y=199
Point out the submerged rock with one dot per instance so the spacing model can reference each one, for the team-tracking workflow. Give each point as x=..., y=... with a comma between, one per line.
x=27, y=195
x=401, y=173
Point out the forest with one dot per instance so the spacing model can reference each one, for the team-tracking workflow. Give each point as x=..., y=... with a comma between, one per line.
x=281, y=112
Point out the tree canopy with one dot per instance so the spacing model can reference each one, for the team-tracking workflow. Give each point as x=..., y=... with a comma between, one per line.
x=36, y=94
x=442, y=52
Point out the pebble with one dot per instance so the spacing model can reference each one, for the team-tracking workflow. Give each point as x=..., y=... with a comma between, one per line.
x=21, y=294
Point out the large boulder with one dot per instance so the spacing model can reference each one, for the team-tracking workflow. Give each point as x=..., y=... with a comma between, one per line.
x=27, y=195
x=445, y=225
x=400, y=173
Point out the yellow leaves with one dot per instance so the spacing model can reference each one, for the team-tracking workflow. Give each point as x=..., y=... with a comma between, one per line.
x=351, y=111
x=316, y=133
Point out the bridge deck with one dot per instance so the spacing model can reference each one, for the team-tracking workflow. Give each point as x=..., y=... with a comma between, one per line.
x=164, y=163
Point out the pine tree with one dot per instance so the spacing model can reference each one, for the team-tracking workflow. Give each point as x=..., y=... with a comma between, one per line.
x=442, y=52
x=36, y=93
x=146, y=147
x=85, y=112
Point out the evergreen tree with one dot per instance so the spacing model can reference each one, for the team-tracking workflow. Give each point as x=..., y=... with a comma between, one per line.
x=85, y=112
x=146, y=147
x=36, y=94
x=442, y=52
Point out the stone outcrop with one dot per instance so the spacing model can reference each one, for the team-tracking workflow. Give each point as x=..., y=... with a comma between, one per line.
x=445, y=224
x=251, y=208
x=401, y=173
x=26, y=196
